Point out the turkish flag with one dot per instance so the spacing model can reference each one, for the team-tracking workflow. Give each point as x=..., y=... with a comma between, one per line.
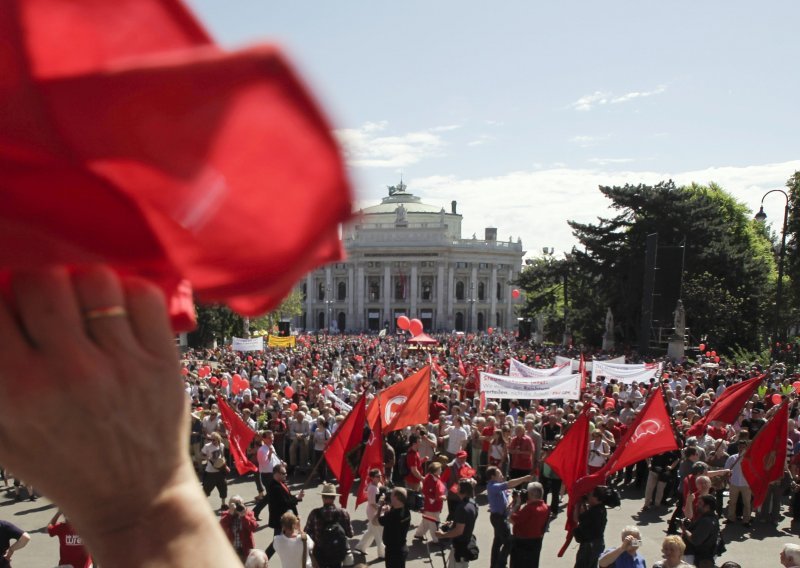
x=569, y=458
x=129, y=138
x=239, y=436
x=373, y=457
x=346, y=438
x=403, y=404
x=727, y=406
x=765, y=460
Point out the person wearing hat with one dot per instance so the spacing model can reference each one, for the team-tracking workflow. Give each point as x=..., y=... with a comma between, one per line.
x=451, y=476
x=329, y=527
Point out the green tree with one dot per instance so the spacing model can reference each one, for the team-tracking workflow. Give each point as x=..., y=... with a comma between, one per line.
x=291, y=307
x=215, y=323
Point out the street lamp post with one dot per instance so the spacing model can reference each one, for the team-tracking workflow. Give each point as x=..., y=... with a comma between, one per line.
x=761, y=216
x=471, y=305
x=329, y=305
x=566, y=340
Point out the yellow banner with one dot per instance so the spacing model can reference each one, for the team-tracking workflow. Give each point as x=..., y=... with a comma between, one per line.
x=283, y=342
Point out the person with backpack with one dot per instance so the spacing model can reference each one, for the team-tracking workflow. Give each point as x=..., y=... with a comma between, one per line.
x=329, y=527
x=396, y=520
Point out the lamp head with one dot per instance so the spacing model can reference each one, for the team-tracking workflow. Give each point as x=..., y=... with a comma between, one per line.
x=761, y=216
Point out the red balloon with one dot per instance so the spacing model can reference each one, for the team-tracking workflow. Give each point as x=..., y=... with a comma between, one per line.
x=776, y=398
x=702, y=347
x=249, y=357
x=225, y=383
x=708, y=353
x=293, y=406
x=213, y=380
x=515, y=293
x=490, y=330
x=289, y=392
x=796, y=386
x=237, y=388
x=716, y=359
x=713, y=353
x=245, y=384
x=330, y=387
x=208, y=370
x=403, y=322
x=184, y=371
x=201, y=372
x=415, y=327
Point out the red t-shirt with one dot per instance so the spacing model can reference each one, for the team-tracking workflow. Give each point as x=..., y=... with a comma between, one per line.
x=412, y=460
x=521, y=460
x=487, y=431
x=70, y=546
x=433, y=489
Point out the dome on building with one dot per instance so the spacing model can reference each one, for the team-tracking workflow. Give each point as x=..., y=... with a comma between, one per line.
x=399, y=196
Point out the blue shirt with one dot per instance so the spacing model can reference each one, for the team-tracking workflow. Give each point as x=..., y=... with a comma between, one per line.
x=625, y=560
x=498, y=497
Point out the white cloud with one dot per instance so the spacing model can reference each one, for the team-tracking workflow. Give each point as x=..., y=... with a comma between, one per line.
x=607, y=161
x=599, y=98
x=535, y=205
x=585, y=141
x=366, y=146
x=480, y=140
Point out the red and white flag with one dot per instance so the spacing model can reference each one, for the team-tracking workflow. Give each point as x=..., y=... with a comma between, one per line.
x=239, y=436
x=403, y=404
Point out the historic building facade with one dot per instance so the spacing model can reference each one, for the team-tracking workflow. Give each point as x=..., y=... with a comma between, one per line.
x=405, y=257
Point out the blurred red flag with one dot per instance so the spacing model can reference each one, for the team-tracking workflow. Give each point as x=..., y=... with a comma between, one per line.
x=373, y=457
x=239, y=436
x=570, y=456
x=765, y=459
x=402, y=404
x=129, y=138
x=346, y=438
x=727, y=406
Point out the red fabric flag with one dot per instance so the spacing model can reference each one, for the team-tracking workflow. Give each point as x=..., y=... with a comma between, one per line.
x=102, y=106
x=346, y=438
x=727, y=406
x=403, y=404
x=239, y=437
x=765, y=460
x=570, y=455
x=462, y=370
x=373, y=457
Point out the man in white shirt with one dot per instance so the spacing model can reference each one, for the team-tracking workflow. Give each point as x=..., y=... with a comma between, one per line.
x=457, y=437
x=738, y=486
x=299, y=434
x=374, y=528
x=267, y=458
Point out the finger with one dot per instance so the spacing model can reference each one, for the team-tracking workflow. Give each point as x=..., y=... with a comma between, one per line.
x=102, y=301
x=147, y=313
x=48, y=309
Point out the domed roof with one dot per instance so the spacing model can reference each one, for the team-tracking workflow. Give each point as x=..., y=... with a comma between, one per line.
x=397, y=196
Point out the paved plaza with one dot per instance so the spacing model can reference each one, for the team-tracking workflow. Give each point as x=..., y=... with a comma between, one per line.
x=760, y=548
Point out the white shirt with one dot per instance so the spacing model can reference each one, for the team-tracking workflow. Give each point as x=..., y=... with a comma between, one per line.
x=457, y=437
x=290, y=550
x=267, y=458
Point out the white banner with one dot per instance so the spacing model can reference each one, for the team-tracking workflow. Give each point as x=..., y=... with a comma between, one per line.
x=576, y=363
x=635, y=372
x=519, y=369
x=338, y=403
x=252, y=344
x=566, y=387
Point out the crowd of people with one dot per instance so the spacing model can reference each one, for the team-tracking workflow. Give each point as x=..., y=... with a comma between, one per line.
x=470, y=451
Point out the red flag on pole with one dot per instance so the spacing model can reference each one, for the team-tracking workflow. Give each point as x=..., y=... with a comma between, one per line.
x=462, y=370
x=346, y=438
x=373, y=457
x=239, y=437
x=727, y=406
x=403, y=404
x=765, y=460
x=570, y=455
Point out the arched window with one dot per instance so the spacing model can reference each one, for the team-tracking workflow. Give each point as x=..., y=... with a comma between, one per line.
x=481, y=291
x=341, y=319
x=321, y=291
x=427, y=289
x=341, y=291
x=481, y=325
x=459, y=290
x=459, y=321
x=321, y=320
x=498, y=322
x=499, y=291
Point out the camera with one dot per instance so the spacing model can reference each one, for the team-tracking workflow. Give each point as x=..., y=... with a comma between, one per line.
x=608, y=496
x=239, y=508
x=636, y=543
x=522, y=493
x=383, y=493
x=415, y=501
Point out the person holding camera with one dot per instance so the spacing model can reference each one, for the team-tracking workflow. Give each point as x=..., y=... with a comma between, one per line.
x=434, y=493
x=701, y=535
x=499, y=508
x=239, y=524
x=626, y=555
x=395, y=520
x=460, y=530
x=530, y=520
x=374, y=528
x=591, y=520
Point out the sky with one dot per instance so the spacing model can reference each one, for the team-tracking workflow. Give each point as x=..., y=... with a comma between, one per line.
x=519, y=110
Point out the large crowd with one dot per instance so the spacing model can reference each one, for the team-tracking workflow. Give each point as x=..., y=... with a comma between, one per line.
x=472, y=451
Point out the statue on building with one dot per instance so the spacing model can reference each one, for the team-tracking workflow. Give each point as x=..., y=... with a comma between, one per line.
x=680, y=320
x=608, y=336
x=401, y=214
x=399, y=188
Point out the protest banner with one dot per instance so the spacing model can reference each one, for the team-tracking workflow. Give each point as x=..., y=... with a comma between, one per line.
x=248, y=344
x=282, y=342
x=519, y=369
x=337, y=402
x=566, y=387
x=576, y=362
x=635, y=372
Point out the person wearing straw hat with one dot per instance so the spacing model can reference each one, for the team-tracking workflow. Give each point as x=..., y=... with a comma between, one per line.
x=329, y=527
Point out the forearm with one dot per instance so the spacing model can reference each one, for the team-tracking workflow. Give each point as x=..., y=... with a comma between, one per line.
x=611, y=557
x=179, y=529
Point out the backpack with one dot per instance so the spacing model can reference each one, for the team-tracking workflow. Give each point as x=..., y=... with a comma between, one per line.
x=332, y=546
